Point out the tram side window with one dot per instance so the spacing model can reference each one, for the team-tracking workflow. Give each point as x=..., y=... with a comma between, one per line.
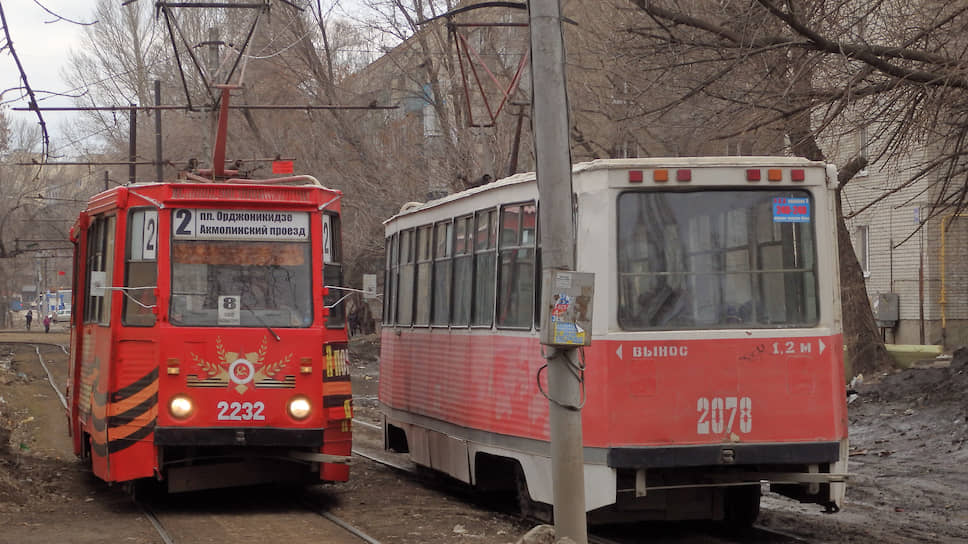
x=333, y=271
x=100, y=261
x=516, y=281
x=443, y=242
x=485, y=244
x=390, y=281
x=141, y=268
x=405, y=285
x=463, y=270
x=683, y=263
x=424, y=243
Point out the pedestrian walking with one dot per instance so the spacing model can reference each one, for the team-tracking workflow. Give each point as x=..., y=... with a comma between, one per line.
x=47, y=321
x=30, y=317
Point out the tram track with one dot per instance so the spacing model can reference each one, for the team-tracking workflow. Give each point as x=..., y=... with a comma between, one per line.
x=166, y=533
x=42, y=361
x=156, y=523
x=50, y=376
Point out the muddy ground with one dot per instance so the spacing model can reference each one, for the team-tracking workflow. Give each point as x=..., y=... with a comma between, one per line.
x=909, y=467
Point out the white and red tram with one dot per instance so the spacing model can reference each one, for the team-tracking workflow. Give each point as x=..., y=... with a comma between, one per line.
x=716, y=362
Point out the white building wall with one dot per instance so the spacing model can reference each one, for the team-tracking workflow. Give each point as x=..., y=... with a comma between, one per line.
x=903, y=238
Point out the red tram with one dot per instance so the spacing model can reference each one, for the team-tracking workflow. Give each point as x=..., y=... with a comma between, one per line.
x=207, y=349
x=716, y=359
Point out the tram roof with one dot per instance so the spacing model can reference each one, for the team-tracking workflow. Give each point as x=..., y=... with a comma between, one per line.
x=619, y=164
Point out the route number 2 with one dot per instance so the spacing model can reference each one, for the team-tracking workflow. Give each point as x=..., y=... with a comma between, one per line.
x=240, y=411
x=717, y=415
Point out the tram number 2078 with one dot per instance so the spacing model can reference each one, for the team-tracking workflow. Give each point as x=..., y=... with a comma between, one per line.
x=239, y=411
x=717, y=415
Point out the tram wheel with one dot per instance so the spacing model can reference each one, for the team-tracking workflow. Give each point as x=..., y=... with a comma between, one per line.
x=742, y=507
x=86, y=459
x=530, y=508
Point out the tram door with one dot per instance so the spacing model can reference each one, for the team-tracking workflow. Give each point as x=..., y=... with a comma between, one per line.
x=94, y=335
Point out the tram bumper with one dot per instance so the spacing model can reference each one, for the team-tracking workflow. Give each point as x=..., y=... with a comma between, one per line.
x=793, y=453
x=214, y=457
x=239, y=436
x=810, y=472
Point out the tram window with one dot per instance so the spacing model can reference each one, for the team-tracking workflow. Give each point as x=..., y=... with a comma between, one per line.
x=463, y=271
x=334, y=300
x=485, y=243
x=516, y=281
x=405, y=285
x=141, y=268
x=333, y=271
x=100, y=261
x=271, y=281
x=443, y=243
x=685, y=264
x=390, y=281
x=424, y=255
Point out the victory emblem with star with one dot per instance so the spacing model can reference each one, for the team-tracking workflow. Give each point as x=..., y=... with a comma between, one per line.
x=242, y=370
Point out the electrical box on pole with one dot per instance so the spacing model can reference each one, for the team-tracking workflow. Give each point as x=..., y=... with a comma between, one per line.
x=566, y=308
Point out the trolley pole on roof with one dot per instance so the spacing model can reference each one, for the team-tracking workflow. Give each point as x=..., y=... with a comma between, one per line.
x=550, y=127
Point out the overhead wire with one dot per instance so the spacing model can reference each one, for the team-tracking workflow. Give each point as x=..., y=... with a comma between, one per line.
x=45, y=143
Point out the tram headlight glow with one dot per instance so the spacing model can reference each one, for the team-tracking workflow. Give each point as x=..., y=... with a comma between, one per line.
x=181, y=407
x=299, y=408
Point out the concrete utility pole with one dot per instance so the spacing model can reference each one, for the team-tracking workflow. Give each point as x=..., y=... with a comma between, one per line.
x=550, y=127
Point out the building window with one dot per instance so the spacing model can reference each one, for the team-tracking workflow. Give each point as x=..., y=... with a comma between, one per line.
x=863, y=249
x=862, y=148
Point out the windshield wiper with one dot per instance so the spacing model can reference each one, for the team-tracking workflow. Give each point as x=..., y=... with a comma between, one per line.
x=262, y=321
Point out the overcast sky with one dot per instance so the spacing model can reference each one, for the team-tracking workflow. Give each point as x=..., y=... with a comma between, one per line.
x=41, y=42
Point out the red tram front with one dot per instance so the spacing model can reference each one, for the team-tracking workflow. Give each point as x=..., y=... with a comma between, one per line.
x=208, y=346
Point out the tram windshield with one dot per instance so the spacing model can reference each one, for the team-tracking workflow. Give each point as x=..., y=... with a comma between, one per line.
x=716, y=259
x=241, y=283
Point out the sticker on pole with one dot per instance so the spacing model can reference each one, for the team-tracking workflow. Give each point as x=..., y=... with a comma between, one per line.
x=791, y=210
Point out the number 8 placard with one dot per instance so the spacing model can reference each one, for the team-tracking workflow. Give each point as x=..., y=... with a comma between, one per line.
x=228, y=310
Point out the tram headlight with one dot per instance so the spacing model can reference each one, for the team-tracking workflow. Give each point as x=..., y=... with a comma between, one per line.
x=299, y=407
x=181, y=407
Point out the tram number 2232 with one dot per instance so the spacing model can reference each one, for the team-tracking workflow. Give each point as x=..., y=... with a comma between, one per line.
x=239, y=411
x=718, y=415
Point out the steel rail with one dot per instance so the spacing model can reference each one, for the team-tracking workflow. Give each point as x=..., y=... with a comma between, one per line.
x=385, y=462
x=156, y=523
x=784, y=534
x=340, y=523
x=367, y=424
x=50, y=377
